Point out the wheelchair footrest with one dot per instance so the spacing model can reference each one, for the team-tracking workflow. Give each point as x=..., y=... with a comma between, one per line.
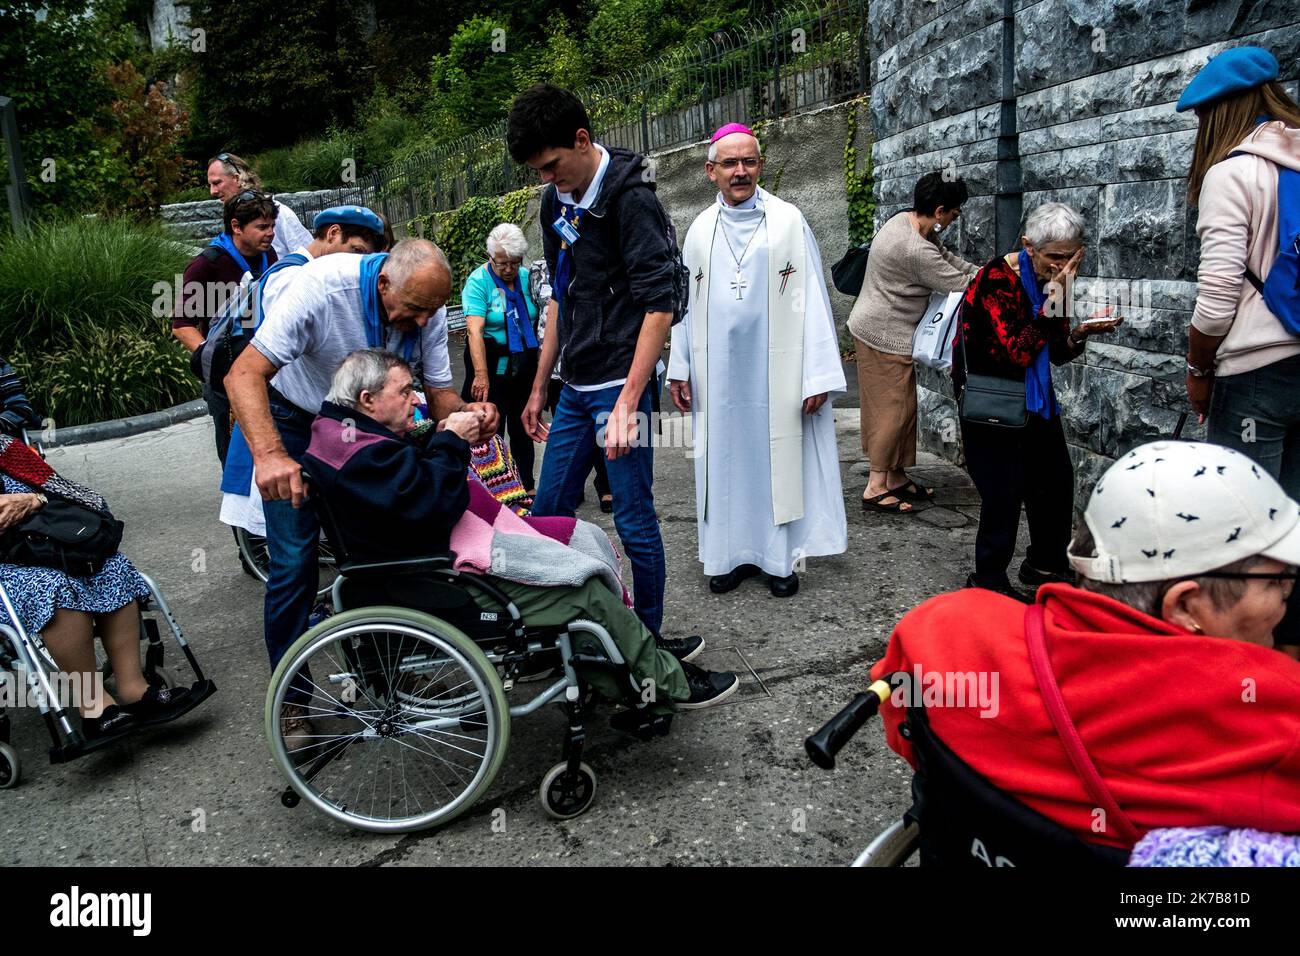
x=641, y=724
x=80, y=746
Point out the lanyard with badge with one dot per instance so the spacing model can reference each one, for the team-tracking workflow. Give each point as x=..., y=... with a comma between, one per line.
x=566, y=224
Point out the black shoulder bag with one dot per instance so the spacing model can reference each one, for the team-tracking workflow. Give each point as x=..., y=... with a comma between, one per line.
x=990, y=399
x=65, y=535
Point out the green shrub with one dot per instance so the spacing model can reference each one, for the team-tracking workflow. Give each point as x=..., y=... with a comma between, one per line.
x=77, y=274
x=310, y=164
x=109, y=373
x=462, y=232
x=79, y=298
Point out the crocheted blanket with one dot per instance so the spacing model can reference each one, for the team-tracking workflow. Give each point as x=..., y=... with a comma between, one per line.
x=1215, y=846
x=494, y=466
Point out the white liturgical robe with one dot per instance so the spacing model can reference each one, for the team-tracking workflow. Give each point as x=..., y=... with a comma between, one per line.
x=768, y=334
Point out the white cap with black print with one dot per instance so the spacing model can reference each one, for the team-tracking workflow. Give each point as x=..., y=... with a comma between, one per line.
x=1172, y=509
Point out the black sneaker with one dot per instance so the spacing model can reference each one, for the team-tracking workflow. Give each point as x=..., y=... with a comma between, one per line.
x=707, y=687
x=682, y=648
x=1035, y=578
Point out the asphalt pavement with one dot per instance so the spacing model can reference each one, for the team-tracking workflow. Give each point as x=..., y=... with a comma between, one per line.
x=729, y=785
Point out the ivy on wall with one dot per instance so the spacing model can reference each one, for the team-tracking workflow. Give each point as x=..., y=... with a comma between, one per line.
x=461, y=233
x=857, y=184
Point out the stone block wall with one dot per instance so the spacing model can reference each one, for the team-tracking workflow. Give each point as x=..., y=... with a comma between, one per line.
x=1073, y=101
x=198, y=222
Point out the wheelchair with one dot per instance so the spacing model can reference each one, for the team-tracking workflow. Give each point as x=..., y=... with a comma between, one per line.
x=255, y=558
x=958, y=819
x=24, y=652
x=405, y=686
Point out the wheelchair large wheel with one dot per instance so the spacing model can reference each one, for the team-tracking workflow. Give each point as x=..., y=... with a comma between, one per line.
x=256, y=559
x=10, y=767
x=409, y=722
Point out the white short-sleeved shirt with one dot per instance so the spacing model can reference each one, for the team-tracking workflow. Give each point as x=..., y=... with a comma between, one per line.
x=290, y=233
x=279, y=280
x=316, y=320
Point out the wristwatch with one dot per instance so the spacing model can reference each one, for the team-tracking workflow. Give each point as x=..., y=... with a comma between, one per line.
x=1195, y=372
x=41, y=498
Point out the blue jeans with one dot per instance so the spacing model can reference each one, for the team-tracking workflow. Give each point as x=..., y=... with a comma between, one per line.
x=1258, y=414
x=291, y=539
x=631, y=480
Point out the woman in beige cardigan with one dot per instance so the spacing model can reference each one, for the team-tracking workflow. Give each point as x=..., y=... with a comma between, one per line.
x=907, y=265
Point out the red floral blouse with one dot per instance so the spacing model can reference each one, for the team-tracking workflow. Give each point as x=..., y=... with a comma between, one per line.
x=1003, y=335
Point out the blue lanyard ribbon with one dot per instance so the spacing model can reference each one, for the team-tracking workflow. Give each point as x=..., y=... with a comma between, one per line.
x=563, y=263
x=376, y=328
x=519, y=327
x=1040, y=398
x=223, y=241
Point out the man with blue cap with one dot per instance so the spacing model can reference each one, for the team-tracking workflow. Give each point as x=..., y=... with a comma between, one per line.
x=1243, y=351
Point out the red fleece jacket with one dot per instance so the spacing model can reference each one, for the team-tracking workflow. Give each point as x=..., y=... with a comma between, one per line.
x=1186, y=730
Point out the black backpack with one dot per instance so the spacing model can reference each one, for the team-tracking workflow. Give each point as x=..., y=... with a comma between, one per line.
x=681, y=275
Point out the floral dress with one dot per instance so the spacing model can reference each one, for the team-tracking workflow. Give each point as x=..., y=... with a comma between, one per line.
x=38, y=592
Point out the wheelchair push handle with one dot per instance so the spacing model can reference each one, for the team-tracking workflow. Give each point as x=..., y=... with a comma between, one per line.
x=836, y=732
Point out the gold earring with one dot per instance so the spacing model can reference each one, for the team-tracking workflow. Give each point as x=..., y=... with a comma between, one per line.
x=1195, y=628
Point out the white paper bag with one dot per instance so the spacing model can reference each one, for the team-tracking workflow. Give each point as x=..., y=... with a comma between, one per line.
x=932, y=343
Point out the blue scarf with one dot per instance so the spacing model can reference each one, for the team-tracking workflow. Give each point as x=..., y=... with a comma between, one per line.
x=223, y=241
x=376, y=327
x=238, y=474
x=519, y=326
x=1039, y=395
x=563, y=263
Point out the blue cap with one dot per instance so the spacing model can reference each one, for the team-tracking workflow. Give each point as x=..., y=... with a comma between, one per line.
x=349, y=215
x=1232, y=71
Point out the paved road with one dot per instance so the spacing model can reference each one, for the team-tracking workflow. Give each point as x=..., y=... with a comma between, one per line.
x=729, y=786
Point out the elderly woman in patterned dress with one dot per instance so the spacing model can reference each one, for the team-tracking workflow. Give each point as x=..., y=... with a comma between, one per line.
x=67, y=610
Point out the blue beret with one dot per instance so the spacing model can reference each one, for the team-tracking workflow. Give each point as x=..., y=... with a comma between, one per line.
x=1232, y=71
x=349, y=215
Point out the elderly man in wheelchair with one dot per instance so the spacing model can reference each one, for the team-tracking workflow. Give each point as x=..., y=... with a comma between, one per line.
x=445, y=600
x=1145, y=707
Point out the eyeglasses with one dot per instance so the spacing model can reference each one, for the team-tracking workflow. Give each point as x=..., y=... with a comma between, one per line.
x=750, y=162
x=508, y=263
x=251, y=195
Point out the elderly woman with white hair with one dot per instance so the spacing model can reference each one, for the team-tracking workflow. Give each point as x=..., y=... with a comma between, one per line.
x=501, y=339
x=1015, y=323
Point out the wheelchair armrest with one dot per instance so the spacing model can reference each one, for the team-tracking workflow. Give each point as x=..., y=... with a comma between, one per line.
x=433, y=562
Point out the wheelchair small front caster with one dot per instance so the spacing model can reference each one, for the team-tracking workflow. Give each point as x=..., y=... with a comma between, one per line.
x=290, y=798
x=567, y=795
x=10, y=769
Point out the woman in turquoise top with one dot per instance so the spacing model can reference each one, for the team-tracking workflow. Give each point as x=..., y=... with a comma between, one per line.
x=501, y=339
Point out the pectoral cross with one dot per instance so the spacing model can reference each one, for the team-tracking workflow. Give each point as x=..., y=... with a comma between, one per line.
x=739, y=284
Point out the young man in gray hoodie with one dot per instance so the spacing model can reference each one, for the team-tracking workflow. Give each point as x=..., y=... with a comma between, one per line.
x=615, y=293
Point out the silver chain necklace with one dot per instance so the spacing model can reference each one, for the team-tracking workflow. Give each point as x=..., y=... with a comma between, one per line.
x=738, y=284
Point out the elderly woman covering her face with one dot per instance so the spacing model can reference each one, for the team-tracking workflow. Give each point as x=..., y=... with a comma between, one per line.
x=1015, y=324
x=501, y=338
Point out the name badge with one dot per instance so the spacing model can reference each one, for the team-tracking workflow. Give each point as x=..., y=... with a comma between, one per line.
x=566, y=230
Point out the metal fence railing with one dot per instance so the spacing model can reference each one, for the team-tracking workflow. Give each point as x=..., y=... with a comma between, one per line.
x=808, y=55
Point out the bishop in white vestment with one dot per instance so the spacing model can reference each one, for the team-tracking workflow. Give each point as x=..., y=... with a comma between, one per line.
x=755, y=361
